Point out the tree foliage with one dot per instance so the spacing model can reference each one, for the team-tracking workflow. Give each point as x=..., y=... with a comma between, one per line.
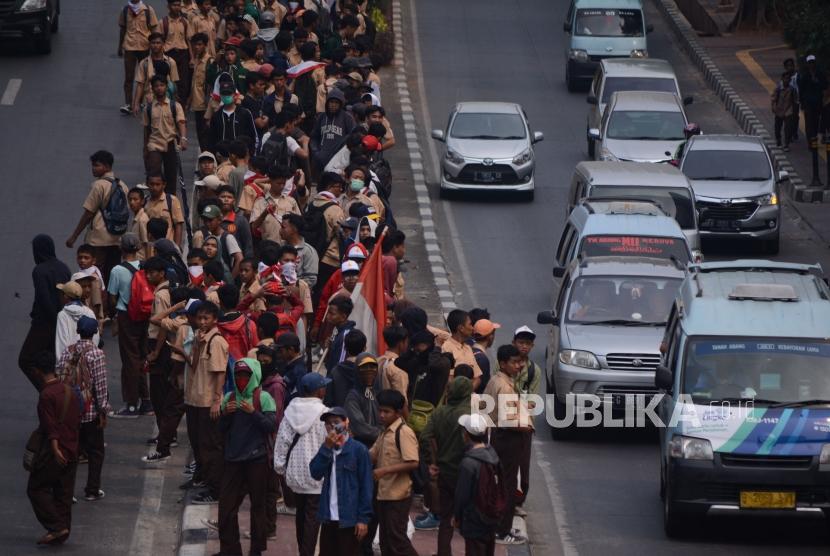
x=806, y=25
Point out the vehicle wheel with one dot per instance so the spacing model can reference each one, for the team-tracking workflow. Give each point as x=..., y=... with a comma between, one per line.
x=592, y=148
x=43, y=44
x=662, y=480
x=677, y=524
x=773, y=245
x=559, y=411
x=570, y=81
x=55, y=23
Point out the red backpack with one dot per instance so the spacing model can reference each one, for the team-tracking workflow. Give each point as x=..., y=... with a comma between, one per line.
x=491, y=495
x=141, y=296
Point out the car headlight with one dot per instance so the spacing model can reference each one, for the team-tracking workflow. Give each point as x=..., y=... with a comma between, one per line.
x=578, y=55
x=523, y=158
x=639, y=53
x=578, y=358
x=824, y=456
x=687, y=447
x=605, y=154
x=32, y=5
x=454, y=157
x=771, y=199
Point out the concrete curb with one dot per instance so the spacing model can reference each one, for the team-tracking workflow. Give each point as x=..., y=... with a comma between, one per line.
x=794, y=188
x=194, y=536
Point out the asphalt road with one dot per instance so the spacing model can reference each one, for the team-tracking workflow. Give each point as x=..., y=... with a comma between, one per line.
x=598, y=495
x=67, y=108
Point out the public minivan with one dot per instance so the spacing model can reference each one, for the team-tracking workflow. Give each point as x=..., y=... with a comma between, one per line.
x=745, y=374
x=663, y=184
x=598, y=29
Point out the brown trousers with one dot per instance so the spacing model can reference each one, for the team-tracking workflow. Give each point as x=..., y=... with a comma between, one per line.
x=132, y=346
x=41, y=337
x=508, y=445
x=337, y=541
x=202, y=130
x=50, y=492
x=446, y=491
x=208, y=447
x=393, y=518
x=240, y=479
x=480, y=547
x=91, y=440
x=131, y=60
x=305, y=522
x=165, y=163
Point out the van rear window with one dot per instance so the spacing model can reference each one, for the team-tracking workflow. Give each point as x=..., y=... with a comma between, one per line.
x=635, y=246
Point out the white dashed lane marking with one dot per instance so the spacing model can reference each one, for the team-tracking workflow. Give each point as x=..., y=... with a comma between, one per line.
x=12, y=88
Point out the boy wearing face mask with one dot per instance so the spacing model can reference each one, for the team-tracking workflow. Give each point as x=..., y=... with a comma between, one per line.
x=247, y=422
x=360, y=404
x=231, y=121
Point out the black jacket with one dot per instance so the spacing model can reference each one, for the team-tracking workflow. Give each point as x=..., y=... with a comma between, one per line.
x=428, y=373
x=364, y=421
x=48, y=273
x=343, y=378
x=464, y=508
x=292, y=373
x=337, y=350
x=227, y=128
x=811, y=89
x=246, y=434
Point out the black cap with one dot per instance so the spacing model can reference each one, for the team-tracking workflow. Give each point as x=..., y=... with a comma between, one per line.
x=334, y=412
x=288, y=339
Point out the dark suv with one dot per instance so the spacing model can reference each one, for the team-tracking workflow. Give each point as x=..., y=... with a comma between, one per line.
x=35, y=19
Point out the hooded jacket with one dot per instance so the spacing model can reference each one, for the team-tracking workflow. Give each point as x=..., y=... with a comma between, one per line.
x=247, y=434
x=48, y=273
x=443, y=427
x=343, y=378
x=362, y=410
x=464, y=508
x=331, y=129
x=66, y=329
x=240, y=333
x=302, y=417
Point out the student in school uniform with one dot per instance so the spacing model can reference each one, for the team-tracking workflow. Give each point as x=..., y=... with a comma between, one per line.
x=174, y=28
x=165, y=130
x=166, y=207
x=157, y=63
x=136, y=21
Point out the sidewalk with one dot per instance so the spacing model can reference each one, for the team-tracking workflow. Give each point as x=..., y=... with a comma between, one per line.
x=425, y=542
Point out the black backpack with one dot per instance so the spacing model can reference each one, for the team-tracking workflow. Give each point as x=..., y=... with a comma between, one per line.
x=275, y=150
x=306, y=90
x=116, y=212
x=383, y=171
x=371, y=28
x=315, y=230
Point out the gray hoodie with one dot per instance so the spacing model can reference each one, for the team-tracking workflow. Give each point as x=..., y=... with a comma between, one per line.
x=331, y=130
x=465, y=510
x=302, y=417
x=66, y=331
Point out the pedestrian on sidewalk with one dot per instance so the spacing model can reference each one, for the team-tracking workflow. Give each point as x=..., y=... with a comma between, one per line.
x=52, y=479
x=484, y=335
x=476, y=472
x=508, y=435
x=47, y=274
x=274, y=384
x=784, y=108
x=136, y=21
x=300, y=436
x=790, y=70
x=525, y=383
x=248, y=419
x=174, y=27
x=339, y=310
x=165, y=133
x=132, y=335
x=74, y=308
x=84, y=366
x=442, y=446
x=461, y=328
x=811, y=85
x=361, y=405
x=158, y=353
x=345, y=508
x=395, y=456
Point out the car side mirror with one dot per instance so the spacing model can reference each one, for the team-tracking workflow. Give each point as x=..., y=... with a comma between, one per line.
x=594, y=134
x=547, y=317
x=783, y=176
x=688, y=100
x=663, y=378
x=438, y=135
x=649, y=28
x=567, y=27
x=538, y=136
x=558, y=271
x=592, y=99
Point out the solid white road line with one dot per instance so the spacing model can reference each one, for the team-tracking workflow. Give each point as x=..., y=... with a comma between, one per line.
x=147, y=519
x=12, y=88
x=558, y=503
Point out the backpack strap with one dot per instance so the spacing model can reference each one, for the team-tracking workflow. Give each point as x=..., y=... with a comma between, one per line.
x=291, y=448
x=165, y=26
x=115, y=183
x=169, y=200
x=129, y=267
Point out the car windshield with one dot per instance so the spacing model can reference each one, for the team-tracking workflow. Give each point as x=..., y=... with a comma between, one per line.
x=635, y=246
x=701, y=164
x=469, y=125
x=657, y=84
x=609, y=23
x=764, y=369
x=675, y=202
x=621, y=300
x=646, y=125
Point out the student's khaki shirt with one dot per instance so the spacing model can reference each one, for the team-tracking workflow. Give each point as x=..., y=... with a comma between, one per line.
x=205, y=24
x=137, y=33
x=462, y=353
x=270, y=227
x=392, y=377
x=198, y=96
x=163, y=129
x=97, y=198
x=144, y=72
x=210, y=356
x=139, y=228
x=161, y=302
x=176, y=38
x=157, y=208
x=515, y=410
x=396, y=486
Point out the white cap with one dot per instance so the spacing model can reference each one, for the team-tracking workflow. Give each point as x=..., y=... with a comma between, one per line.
x=207, y=154
x=211, y=182
x=355, y=252
x=83, y=274
x=142, y=186
x=475, y=424
x=349, y=266
x=524, y=330
x=811, y=58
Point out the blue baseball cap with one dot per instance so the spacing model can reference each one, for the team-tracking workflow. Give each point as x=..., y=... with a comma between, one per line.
x=311, y=382
x=192, y=307
x=334, y=412
x=87, y=326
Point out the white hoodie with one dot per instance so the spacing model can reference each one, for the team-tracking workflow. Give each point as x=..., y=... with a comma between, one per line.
x=66, y=332
x=302, y=416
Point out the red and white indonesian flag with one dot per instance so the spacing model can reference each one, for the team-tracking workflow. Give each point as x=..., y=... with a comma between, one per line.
x=369, y=311
x=302, y=68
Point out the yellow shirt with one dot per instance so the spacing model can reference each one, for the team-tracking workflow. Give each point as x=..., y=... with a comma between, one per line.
x=176, y=39
x=462, y=353
x=163, y=129
x=137, y=33
x=210, y=355
x=157, y=208
x=95, y=201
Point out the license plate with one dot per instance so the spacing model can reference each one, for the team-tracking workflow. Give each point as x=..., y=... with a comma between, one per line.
x=720, y=224
x=488, y=177
x=767, y=500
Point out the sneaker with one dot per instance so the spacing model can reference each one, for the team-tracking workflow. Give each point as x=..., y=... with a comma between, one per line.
x=152, y=440
x=204, y=499
x=519, y=511
x=74, y=500
x=282, y=509
x=513, y=537
x=82, y=459
x=95, y=496
x=126, y=110
x=129, y=412
x=429, y=522
x=211, y=524
x=192, y=484
x=174, y=443
x=146, y=408
x=155, y=457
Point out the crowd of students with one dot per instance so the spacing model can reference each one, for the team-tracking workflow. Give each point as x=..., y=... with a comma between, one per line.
x=231, y=301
